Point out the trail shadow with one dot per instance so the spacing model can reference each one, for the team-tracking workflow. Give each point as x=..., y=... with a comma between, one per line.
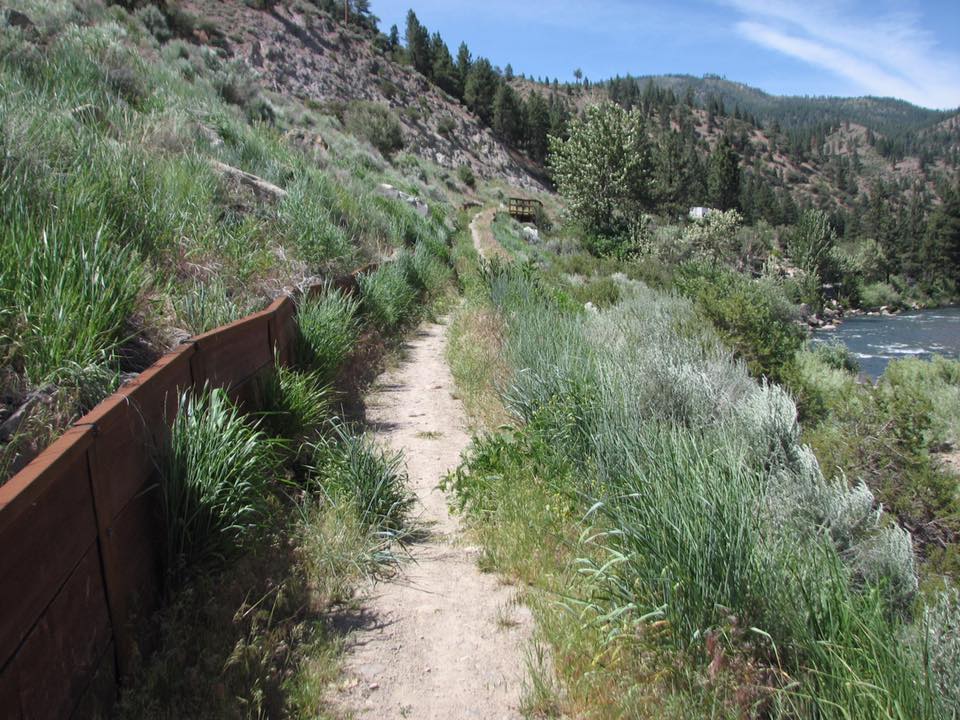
x=381, y=426
x=346, y=620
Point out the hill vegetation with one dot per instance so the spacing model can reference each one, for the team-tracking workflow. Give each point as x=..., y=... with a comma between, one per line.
x=150, y=191
x=710, y=518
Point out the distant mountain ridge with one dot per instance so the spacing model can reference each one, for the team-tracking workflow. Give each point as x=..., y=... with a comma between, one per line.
x=889, y=116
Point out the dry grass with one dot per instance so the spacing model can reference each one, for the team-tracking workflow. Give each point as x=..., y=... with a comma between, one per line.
x=478, y=365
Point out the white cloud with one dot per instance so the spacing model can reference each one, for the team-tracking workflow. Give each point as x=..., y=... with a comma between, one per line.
x=890, y=55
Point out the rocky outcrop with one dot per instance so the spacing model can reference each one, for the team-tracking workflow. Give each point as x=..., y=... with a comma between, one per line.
x=389, y=191
x=303, y=53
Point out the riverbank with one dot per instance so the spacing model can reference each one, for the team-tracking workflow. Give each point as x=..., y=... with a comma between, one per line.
x=874, y=340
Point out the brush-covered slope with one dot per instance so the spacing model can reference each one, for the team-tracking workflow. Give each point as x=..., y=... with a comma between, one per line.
x=300, y=51
x=149, y=190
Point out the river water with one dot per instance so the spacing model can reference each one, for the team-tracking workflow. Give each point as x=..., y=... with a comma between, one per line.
x=876, y=340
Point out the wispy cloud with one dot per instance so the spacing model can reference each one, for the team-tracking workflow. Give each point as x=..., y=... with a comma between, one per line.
x=889, y=55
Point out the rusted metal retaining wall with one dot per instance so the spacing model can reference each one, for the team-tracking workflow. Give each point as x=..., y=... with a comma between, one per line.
x=80, y=537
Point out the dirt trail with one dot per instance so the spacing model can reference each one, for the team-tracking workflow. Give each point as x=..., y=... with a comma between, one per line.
x=483, y=239
x=442, y=640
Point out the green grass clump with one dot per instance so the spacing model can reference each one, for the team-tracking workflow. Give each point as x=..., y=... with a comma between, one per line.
x=297, y=403
x=387, y=298
x=68, y=290
x=425, y=271
x=350, y=468
x=206, y=306
x=215, y=480
x=328, y=327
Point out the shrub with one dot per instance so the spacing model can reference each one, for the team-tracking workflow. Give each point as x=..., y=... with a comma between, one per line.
x=155, y=22
x=753, y=317
x=446, y=125
x=376, y=124
x=215, y=473
x=708, y=513
x=879, y=294
x=328, y=329
x=837, y=356
x=466, y=176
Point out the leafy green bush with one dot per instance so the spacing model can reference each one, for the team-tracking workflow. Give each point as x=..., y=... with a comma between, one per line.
x=879, y=294
x=753, y=317
x=837, y=356
x=328, y=328
x=215, y=474
x=386, y=296
x=376, y=124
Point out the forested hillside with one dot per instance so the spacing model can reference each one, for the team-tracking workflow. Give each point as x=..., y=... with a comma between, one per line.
x=885, y=172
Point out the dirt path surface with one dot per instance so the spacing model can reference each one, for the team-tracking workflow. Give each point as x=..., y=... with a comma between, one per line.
x=483, y=239
x=442, y=640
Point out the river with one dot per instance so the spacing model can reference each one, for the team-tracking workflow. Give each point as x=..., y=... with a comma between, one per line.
x=876, y=340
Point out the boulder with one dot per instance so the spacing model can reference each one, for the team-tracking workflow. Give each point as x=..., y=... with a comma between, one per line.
x=389, y=191
x=530, y=234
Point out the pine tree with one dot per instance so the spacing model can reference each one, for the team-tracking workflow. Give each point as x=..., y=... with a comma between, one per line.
x=464, y=63
x=418, y=45
x=723, y=176
x=443, y=72
x=394, y=37
x=507, y=114
x=481, y=89
x=537, y=126
x=942, y=242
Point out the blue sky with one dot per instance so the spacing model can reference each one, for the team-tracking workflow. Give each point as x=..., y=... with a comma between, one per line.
x=797, y=47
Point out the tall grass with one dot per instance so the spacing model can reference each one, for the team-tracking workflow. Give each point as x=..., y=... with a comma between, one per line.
x=388, y=300
x=708, y=514
x=297, y=403
x=68, y=291
x=328, y=327
x=215, y=479
x=113, y=223
x=351, y=468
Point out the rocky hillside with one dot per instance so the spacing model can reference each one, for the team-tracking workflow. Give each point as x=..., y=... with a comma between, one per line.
x=299, y=51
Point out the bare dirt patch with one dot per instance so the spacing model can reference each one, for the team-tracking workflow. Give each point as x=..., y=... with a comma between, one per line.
x=433, y=643
x=483, y=239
